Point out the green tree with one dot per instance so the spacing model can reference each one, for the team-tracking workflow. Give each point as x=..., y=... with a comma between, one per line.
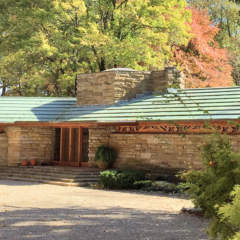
x=211, y=187
x=59, y=39
x=230, y=213
x=225, y=14
x=49, y=47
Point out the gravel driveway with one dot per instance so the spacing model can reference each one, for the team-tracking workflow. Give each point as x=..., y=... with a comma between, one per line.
x=47, y=212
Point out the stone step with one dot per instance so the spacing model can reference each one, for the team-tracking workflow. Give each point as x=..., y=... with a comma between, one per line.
x=84, y=184
x=52, y=169
x=52, y=175
x=64, y=169
x=54, y=178
x=49, y=173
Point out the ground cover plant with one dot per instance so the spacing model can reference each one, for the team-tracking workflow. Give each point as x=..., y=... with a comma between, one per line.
x=134, y=179
x=120, y=179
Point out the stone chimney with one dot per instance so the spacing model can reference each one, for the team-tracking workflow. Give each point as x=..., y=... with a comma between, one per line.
x=170, y=77
x=123, y=84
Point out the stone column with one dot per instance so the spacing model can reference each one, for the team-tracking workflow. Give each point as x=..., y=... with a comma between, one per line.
x=14, y=145
x=3, y=149
x=174, y=78
x=97, y=137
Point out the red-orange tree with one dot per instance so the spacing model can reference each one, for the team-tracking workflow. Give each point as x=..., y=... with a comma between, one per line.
x=205, y=64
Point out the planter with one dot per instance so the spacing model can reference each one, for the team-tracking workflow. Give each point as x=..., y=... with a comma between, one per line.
x=102, y=165
x=33, y=162
x=24, y=163
x=105, y=157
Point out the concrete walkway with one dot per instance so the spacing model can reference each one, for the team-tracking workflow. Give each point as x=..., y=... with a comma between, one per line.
x=48, y=212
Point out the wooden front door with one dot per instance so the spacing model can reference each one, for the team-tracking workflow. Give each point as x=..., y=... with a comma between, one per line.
x=70, y=147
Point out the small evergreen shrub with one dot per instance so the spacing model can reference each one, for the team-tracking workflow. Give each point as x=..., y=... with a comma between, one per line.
x=106, y=156
x=230, y=213
x=164, y=186
x=210, y=188
x=132, y=179
x=120, y=179
x=143, y=184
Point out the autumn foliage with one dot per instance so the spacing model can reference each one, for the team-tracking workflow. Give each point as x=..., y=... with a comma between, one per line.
x=203, y=61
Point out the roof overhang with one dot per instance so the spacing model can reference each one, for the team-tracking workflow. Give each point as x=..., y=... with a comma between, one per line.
x=129, y=123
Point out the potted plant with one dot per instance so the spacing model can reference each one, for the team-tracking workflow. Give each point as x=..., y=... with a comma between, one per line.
x=33, y=162
x=24, y=163
x=105, y=156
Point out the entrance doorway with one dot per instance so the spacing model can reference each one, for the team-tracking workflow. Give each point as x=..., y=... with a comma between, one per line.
x=71, y=147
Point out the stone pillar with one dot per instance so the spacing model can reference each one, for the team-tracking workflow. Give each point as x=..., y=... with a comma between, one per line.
x=97, y=137
x=3, y=149
x=175, y=78
x=14, y=145
x=170, y=77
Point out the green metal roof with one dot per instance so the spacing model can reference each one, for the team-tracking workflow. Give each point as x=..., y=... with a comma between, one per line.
x=187, y=104
x=36, y=109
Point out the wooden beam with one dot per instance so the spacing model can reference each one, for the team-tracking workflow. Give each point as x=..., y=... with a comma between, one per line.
x=102, y=124
x=51, y=124
x=80, y=142
x=70, y=145
x=99, y=124
x=194, y=122
x=61, y=144
x=187, y=127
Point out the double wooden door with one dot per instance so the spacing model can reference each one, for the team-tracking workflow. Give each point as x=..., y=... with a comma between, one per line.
x=71, y=147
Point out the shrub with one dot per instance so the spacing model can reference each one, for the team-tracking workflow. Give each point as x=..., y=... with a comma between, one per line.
x=210, y=188
x=230, y=213
x=117, y=179
x=164, y=187
x=105, y=156
x=143, y=184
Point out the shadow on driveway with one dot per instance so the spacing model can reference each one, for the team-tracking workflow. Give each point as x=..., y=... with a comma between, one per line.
x=89, y=224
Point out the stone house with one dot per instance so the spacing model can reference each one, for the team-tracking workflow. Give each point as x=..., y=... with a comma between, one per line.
x=151, y=125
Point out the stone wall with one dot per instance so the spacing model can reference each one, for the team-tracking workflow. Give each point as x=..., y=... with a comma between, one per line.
x=170, y=77
x=156, y=151
x=27, y=143
x=153, y=151
x=97, y=137
x=95, y=88
x=109, y=87
x=3, y=149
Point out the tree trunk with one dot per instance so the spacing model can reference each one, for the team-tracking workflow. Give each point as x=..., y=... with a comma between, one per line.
x=4, y=90
x=102, y=66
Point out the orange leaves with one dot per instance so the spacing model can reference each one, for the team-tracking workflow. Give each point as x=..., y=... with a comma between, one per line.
x=203, y=61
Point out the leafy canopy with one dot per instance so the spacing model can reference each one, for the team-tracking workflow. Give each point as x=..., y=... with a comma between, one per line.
x=225, y=14
x=51, y=41
x=203, y=61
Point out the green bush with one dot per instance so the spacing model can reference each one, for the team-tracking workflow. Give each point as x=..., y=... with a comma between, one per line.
x=164, y=187
x=105, y=156
x=120, y=179
x=230, y=213
x=143, y=184
x=210, y=188
x=129, y=179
